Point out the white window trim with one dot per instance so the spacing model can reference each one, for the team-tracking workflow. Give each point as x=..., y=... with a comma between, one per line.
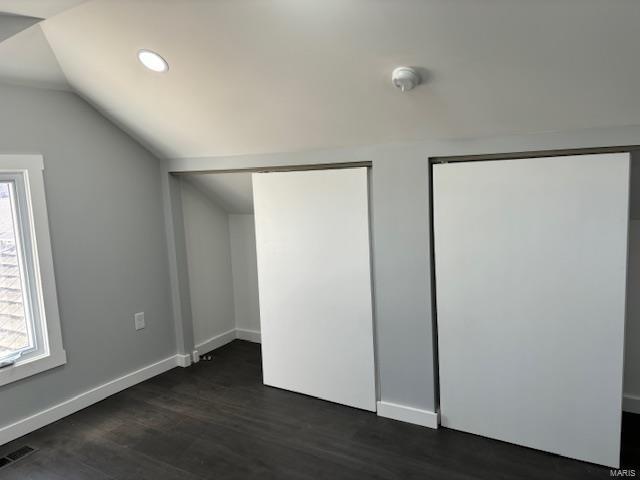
x=53, y=355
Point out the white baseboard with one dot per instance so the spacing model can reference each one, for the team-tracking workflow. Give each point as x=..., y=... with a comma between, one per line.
x=249, y=335
x=83, y=400
x=403, y=413
x=631, y=403
x=183, y=360
x=216, y=342
x=221, y=340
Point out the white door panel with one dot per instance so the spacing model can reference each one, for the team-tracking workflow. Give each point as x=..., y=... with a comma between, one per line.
x=530, y=259
x=312, y=236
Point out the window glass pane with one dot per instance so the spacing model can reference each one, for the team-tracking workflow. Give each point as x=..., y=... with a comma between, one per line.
x=15, y=332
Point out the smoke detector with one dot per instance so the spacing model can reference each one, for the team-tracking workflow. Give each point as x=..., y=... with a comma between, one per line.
x=405, y=78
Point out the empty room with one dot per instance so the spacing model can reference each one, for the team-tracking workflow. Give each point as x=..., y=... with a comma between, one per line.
x=319, y=239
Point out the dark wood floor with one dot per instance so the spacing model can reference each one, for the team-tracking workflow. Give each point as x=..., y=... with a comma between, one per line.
x=216, y=420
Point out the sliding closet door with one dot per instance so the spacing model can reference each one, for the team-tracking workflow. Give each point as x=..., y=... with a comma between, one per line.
x=312, y=236
x=530, y=260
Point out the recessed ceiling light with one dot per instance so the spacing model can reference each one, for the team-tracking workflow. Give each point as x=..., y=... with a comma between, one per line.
x=153, y=61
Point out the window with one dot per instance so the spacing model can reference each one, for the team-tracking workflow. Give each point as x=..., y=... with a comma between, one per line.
x=30, y=340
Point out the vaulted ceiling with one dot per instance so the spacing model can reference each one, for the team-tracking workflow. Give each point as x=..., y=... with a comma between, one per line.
x=255, y=76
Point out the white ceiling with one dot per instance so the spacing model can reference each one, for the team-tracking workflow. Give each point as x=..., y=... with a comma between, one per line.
x=231, y=191
x=254, y=76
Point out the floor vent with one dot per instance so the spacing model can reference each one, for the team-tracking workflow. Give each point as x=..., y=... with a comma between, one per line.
x=16, y=455
x=20, y=453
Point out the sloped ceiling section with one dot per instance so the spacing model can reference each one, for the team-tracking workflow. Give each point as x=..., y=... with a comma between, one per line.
x=27, y=59
x=233, y=192
x=37, y=8
x=12, y=24
x=249, y=76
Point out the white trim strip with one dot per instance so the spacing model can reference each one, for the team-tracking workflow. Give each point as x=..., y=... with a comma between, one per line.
x=407, y=414
x=83, y=400
x=220, y=340
x=249, y=335
x=36, y=241
x=32, y=367
x=183, y=360
x=216, y=342
x=631, y=403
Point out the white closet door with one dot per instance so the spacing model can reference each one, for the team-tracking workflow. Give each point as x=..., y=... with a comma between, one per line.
x=312, y=236
x=530, y=259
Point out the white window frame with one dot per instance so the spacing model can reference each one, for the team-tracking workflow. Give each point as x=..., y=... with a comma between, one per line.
x=26, y=171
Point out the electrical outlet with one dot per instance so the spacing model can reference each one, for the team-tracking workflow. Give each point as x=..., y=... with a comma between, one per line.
x=138, y=320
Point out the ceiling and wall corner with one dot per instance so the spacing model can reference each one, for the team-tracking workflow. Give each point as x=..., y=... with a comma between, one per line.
x=13, y=24
x=37, y=8
x=26, y=59
x=252, y=77
x=233, y=192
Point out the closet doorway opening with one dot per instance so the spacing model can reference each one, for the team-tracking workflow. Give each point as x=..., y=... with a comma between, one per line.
x=531, y=278
x=282, y=258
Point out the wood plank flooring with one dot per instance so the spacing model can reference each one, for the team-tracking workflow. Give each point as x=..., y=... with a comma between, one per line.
x=215, y=420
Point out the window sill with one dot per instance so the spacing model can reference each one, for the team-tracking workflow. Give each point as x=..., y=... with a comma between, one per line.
x=31, y=367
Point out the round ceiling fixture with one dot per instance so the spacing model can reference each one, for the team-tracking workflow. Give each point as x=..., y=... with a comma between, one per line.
x=153, y=61
x=405, y=78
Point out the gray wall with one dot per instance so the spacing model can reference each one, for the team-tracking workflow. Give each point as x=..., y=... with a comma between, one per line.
x=206, y=228
x=244, y=265
x=108, y=239
x=632, y=339
x=632, y=332
x=402, y=281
